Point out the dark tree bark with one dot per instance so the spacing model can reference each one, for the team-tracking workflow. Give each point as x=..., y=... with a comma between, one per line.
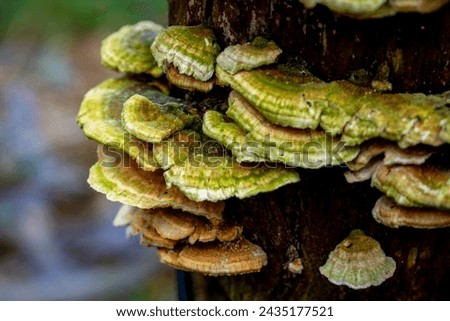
x=310, y=218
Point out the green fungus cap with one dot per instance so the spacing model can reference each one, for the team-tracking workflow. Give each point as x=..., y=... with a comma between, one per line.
x=128, y=49
x=248, y=56
x=191, y=49
x=152, y=122
x=127, y=183
x=216, y=178
x=415, y=186
x=358, y=262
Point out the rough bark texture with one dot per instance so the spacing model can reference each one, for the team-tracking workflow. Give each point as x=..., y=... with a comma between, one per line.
x=309, y=219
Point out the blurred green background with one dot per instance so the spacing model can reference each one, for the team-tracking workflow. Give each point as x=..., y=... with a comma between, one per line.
x=48, y=17
x=56, y=237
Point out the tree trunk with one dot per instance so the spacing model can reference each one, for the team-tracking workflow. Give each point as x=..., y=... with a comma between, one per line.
x=308, y=219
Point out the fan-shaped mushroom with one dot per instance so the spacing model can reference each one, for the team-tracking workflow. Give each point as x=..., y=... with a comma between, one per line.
x=128, y=49
x=258, y=52
x=228, y=258
x=389, y=213
x=358, y=262
x=191, y=49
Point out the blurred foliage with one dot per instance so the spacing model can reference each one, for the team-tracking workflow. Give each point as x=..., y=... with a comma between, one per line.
x=45, y=17
x=56, y=238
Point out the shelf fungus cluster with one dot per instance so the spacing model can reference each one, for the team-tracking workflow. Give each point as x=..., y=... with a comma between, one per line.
x=192, y=243
x=188, y=56
x=172, y=163
x=284, y=114
x=342, y=109
x=171, y=178
x=370, y=9
x=417, y=193
x=358, y=262
x=252, y=138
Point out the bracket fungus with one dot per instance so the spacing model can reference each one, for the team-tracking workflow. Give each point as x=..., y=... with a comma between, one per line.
x=445, y=131
x=170, y=223
x=136, y=223
x=363, y=174
x=390, y=214
x=408, y=156
x=368, y=151
x=252, y=138
x=173, y=177
x=152, y=122
x=341, y=107
x=415, y=186
x=129, y=184
x=176, y=226
x=192, y=243
x=128, y=49
x=191, y=49
x=227, y=258
x=219, y=127
x=219, y=178
x=258, y=52
x=422, y=6
x=100, y=116
x=408, y=119
x=188, y=82
x=420, y=192
x=123, y=216
x=358, y=262
x=296, y=147
x=347, y=6
x=177, y=148
x=149, y=236
x=369, y=9
x=376, y=153
x=275, y=94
